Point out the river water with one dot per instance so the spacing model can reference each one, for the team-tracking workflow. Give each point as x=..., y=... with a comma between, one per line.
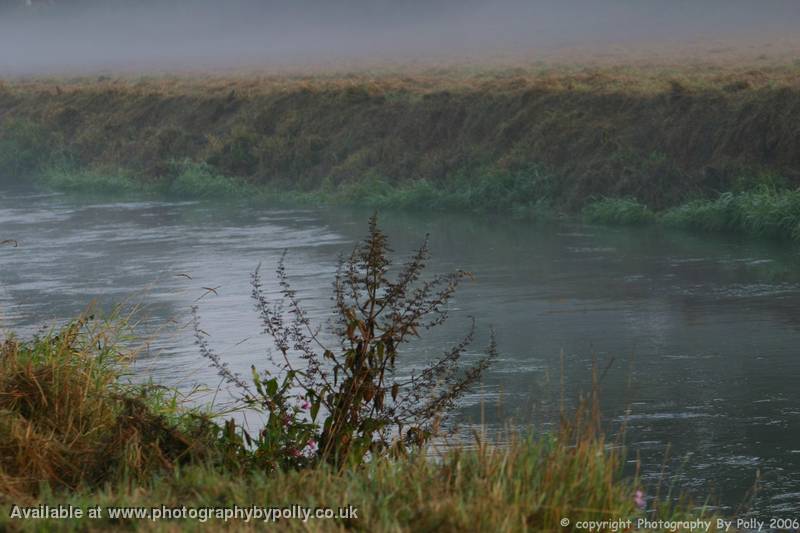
x=701, y=333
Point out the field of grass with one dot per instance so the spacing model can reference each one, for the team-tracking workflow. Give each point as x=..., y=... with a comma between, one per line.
x=75, y=432
x=533, y=139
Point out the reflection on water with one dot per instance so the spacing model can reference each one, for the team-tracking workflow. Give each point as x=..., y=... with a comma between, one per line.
x=702, y=331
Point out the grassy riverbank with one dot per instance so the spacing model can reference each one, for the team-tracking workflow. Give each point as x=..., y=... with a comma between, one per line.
x=523, y=140
x=75, y=432
x=764, y=212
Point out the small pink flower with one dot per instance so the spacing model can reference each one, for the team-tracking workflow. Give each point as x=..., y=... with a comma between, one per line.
x=305, y=406
x=310, y=448
x=638, y=499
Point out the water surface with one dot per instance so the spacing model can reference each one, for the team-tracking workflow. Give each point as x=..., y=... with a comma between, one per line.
x=701, y=332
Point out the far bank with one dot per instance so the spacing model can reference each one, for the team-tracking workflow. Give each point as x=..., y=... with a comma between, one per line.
x=529, y=141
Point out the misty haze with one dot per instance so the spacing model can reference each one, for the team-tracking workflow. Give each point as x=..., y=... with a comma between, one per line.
x=62, y=36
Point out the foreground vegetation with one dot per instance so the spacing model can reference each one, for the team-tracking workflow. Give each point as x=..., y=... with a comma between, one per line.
x=74, y=432
x=340, y=428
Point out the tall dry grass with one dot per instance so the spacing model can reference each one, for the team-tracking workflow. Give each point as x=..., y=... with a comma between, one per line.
x=660, y=134
x=69, y=422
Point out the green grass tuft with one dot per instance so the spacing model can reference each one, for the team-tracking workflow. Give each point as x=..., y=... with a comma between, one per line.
x=765, y=212
x=200, y=180
x=90, y=181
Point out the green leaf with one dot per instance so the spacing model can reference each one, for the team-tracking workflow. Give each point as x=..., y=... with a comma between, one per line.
x=257, y=380
x=272, y=387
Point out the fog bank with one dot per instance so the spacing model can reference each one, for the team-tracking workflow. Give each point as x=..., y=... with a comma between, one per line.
x=63, y=36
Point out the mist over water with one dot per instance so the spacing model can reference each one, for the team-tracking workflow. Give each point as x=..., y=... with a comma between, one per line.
x=69, y=37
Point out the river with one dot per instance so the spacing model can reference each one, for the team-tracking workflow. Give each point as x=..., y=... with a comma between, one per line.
x=701, y=332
